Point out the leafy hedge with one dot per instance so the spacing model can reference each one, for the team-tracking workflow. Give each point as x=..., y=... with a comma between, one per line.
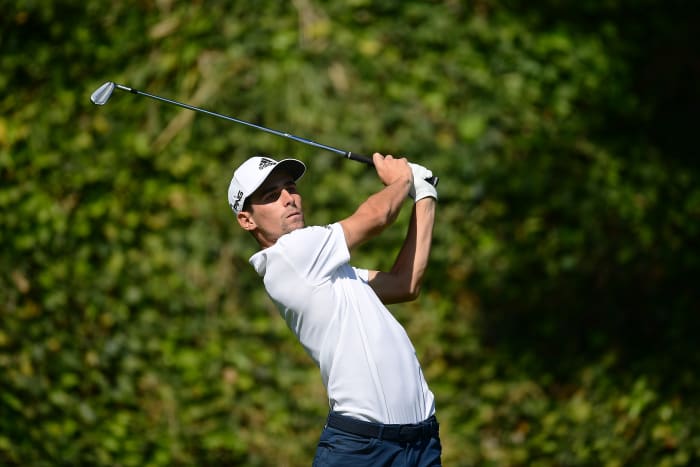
x=558, y=320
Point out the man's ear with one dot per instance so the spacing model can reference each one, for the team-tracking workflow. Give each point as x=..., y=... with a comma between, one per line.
x=245, y=220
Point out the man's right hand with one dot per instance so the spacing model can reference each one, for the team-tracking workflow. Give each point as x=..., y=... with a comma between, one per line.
x=381, y=208
x=391, y=170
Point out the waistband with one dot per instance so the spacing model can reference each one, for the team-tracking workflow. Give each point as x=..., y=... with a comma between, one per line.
x=404, y=433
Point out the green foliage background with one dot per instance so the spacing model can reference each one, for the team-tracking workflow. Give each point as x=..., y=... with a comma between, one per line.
x=558, y=323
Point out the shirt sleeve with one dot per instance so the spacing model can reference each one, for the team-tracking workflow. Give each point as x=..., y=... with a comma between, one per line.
x=316, y=252
x=362, y=274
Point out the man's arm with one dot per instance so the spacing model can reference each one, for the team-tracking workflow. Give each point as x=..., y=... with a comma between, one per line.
x=403, y=282
x=381, y=209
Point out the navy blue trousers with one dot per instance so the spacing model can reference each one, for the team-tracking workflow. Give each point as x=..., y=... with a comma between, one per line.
x=341, y=448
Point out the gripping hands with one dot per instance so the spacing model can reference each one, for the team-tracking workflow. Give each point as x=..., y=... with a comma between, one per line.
x=421, y=187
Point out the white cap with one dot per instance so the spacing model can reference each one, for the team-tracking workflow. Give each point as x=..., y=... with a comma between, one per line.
x=252, y=173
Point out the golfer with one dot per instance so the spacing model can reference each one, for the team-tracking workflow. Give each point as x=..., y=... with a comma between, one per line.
x=382, y=412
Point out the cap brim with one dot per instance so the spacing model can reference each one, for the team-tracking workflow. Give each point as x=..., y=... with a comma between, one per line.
x=294, y=167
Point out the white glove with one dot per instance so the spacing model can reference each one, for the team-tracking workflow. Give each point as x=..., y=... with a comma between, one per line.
x=421, y=188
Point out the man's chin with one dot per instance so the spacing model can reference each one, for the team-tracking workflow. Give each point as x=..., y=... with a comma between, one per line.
x=295, y=223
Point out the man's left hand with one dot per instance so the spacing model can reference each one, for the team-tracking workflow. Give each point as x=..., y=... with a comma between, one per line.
x=421, y=188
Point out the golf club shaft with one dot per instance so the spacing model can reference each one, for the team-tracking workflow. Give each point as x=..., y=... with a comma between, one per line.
x=347, y=154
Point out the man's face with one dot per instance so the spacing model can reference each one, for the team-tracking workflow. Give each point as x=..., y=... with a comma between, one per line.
x=275, y=209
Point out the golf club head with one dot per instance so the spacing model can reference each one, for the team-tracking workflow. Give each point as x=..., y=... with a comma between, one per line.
x=103, y=93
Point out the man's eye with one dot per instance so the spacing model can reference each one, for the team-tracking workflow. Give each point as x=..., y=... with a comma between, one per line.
x=271, y=197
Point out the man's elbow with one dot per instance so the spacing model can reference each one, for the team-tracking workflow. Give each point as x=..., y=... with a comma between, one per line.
x=409, y=287
x=394, y=287
x=412, y=293
x=400, y=296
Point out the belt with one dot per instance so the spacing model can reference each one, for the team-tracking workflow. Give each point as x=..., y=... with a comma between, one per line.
x=404, y=433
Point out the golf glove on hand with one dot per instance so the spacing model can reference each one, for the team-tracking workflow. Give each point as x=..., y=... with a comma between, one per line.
x=421, y=188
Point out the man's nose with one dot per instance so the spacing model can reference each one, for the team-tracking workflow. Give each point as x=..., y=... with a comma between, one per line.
x=287, y=197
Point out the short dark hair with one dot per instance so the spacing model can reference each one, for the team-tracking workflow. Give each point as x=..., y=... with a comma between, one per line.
x=247, y=205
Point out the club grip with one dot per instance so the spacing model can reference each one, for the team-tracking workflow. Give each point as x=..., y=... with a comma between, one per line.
x=366, y=160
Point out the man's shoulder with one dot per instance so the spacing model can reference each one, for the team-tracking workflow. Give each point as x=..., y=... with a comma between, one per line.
x=310, y=240
x=312, y=252
x=311, y=230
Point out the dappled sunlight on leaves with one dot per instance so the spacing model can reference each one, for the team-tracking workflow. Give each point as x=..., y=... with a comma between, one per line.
x=557, y=322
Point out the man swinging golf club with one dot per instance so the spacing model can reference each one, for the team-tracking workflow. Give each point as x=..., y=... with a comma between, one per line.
x=382, y=412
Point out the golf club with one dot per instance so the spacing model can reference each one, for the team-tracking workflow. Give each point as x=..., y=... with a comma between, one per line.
x=104, y=92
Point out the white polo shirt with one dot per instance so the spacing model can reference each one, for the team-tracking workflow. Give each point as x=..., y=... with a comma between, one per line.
x=368, y=364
